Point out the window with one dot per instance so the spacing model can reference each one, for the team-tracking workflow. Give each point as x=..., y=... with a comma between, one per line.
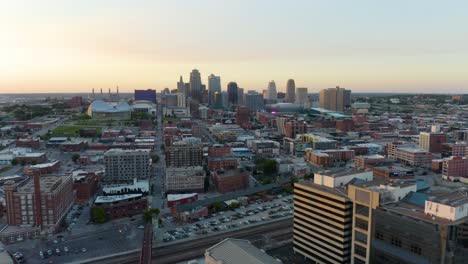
x=416, y=249
x=396, y=241
x=379, y=236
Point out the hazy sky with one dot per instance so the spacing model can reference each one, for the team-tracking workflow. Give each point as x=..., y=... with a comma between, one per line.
x=381, y=46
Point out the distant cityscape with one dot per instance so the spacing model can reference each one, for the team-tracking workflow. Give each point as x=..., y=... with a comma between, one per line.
x=211, y=173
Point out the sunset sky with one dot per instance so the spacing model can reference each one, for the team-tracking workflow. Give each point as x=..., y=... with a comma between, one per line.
x=366, y=46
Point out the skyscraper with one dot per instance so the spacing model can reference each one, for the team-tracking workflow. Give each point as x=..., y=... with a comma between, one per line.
x=253, y=101
x=335, y=99
x=301, y=96
x=271, y=91
x=218, y=100
x=195, y=85
x=290, y=91
x=181, y=86
x=214, y=85
x=233, y=91
x=240, y=96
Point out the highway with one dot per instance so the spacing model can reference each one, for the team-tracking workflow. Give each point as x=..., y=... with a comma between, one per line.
x=177, y=252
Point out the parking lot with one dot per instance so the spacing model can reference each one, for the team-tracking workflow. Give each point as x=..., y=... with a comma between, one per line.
x=254, y=213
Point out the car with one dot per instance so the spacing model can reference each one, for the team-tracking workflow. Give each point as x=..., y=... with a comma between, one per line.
x=57, y=251
x=141, y=227
x=65, y=249
x=83, y=250
x=41, y=254
x=49, y=252
x=55, y=241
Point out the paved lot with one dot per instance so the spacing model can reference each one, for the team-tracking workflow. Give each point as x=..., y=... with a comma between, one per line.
x=99, y=243
x=228, y=220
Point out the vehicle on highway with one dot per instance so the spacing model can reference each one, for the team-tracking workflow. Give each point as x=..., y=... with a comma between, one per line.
x=83, y=249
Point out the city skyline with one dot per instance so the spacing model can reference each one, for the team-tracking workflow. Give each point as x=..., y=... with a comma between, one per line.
x=60, y=46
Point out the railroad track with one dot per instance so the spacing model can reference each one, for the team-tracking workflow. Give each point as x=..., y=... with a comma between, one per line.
x=177, y=252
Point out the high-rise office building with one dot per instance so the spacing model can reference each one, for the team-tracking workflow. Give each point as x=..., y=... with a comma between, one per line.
x=240, y=96
x=322, y=223
x=233, y=93
x=271, y=91
x=181, y=102
x=301, y=96
x=335, y=99
x=323, y=215
x=214, y=85
x=181, y=87
x=290, y=91
x=254, y=101
x=218, y=100
x=195, y=85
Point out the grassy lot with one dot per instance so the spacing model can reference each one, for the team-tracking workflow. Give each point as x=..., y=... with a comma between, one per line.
x=70, y=131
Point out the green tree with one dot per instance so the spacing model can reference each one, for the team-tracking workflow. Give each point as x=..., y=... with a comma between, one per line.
x=217, y=206
x=155, y=158
x=149, y=213
x=99, y=215
x=266, y=181
x=75, y=157
x=14, y=162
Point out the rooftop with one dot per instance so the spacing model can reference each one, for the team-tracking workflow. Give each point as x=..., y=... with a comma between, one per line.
x=45, y=165
x=342, y=172
x=48, y=183
x=231, y=251
x=175, y=197
x=101, y=106
x=116, y=198
x=455, y=199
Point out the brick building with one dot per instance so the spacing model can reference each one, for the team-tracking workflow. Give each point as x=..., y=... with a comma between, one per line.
x=329, y=157
x=413, y=157
x=182, y=179
x=31, y=158
x=29, y=142
x=231, y=180
x=219, y=150
x=119, y=206
x=40, y=203
x=432, y=142
x=43, y=168
x=219, y=163
x=455, y=168
x=86, y=185
x=74, y=146
x=292, y=128
x=177, y=199
x=362, y=161
x=242, y=116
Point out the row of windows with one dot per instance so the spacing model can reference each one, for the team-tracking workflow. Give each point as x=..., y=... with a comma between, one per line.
x=340, y=222
x=314, y=234
x=334, y=230
x=319, y=248
x=321, y=196
x=308, y=198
